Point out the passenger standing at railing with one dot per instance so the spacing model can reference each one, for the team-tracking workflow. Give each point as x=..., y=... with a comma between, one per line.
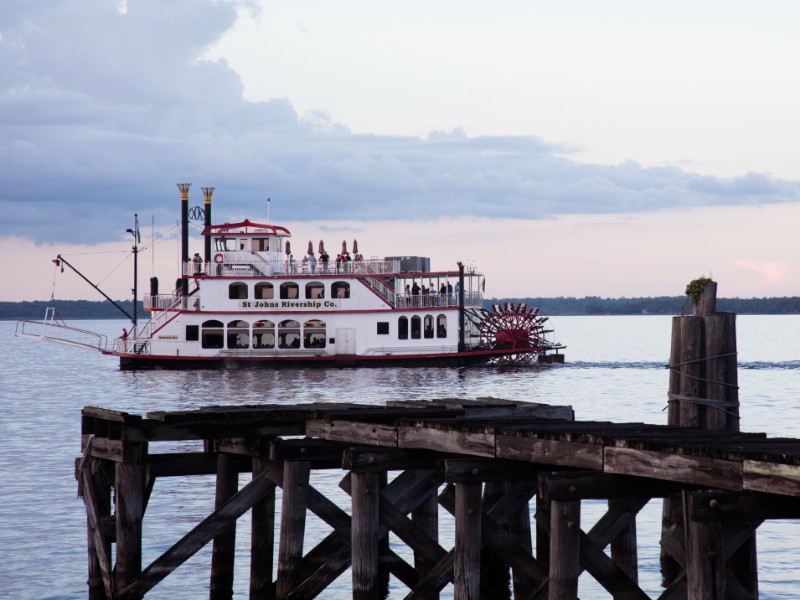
x=312, y=262
x=198, y=264
x=415, y=294
x=408, y=295
x=324, y=258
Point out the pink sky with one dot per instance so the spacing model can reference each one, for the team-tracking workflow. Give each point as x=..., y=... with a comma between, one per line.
x=749, y=251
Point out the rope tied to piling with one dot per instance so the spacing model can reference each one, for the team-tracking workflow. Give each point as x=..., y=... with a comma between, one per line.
x=721, y=405
x=701, y=359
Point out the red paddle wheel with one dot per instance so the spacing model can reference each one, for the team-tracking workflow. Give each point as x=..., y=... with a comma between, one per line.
x=518, y=332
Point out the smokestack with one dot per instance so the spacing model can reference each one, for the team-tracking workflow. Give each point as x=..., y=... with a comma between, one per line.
x=207, y=192
x=184, y=189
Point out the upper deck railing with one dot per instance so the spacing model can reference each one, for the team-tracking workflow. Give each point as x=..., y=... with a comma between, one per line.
x=250, y=264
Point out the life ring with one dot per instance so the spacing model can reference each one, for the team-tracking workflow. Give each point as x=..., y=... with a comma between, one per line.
x=218, y=258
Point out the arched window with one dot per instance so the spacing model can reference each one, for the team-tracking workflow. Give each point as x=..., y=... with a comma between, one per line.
x=315, y=289
x=264, y=291
x=402, y=328
x=263, y=334
x=314, y=334
x=238, y=335
x=441, y=326
x=289, y=334
x=290, y=291
x=213, y=334
x=416, y=328
x=237, y=291
x=428, y=332
x=340, y=289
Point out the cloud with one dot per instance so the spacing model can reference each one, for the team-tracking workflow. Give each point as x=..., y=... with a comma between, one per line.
x=104, y=107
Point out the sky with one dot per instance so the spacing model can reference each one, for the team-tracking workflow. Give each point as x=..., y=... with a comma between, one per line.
x=616, y=149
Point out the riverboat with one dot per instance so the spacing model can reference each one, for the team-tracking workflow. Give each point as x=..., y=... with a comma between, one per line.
x=249, y=302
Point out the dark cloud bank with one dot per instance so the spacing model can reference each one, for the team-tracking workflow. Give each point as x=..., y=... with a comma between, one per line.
x=101, y=113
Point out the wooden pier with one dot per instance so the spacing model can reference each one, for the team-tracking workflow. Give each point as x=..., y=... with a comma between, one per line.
x=484, y=461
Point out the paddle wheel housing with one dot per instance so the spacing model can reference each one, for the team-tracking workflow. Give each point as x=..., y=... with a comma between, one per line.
x=513, y=327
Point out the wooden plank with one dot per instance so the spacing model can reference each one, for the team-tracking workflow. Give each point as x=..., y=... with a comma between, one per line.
x=293, y=521
x=476, y=470
x=129, y=497
x=467, y=557
x=590, y=485
x=98, y=544
x=446, y=440
x=728, y=506
x=262, y=540
x=565, y=521
x=322, y=454
x=773, y=478
x=366, y=434
x=696, y=470
x=365, y=499
x=199, y=536
x=389, y=459
x=224, y=546
x=550, y=452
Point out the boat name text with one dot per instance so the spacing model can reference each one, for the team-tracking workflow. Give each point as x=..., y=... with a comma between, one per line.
x=289, y=304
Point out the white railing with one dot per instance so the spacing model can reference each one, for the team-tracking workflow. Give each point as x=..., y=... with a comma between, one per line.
x=246, y=264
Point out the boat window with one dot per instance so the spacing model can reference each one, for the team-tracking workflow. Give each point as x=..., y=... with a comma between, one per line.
x=260, y=244
x=264, y=291
x=290, y=291
x=314, y=334
x=441, y=326
x=416, y=328
x=428, y=326
x=237, y=291
x=315, y=290
x=263, y=334
x=402, y=328
x=383, y=328
x=192, y=333
x=238, y=334
x=289, y=334
x=213, y=334
x=225, y=244
x=340, y=289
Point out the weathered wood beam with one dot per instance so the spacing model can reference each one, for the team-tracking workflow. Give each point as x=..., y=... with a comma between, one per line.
x=262, y=539
x=224, y=546
x=475, y=443
x=577, y=455
x=198, y=537
x=477, y=470
x=726, y=506
x=365, y=498
x=293, y=522
x=565, y=521
x=362, y=434
x=130, y=504
x=591, y=485
x=772, y=478
x=97, y=507
x=694, y=470
x=467, y=555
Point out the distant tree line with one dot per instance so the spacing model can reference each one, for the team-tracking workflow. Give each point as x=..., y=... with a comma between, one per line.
x=660, y=305
x=589, y=305
x=68, y=309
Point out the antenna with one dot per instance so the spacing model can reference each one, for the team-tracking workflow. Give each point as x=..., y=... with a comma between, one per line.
x=267, y=210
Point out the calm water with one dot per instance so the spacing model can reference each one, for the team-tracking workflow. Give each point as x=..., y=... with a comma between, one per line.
x=615, y=371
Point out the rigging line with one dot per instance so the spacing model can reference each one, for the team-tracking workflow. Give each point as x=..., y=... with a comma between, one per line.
x=127, y=257
x=55, y=274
